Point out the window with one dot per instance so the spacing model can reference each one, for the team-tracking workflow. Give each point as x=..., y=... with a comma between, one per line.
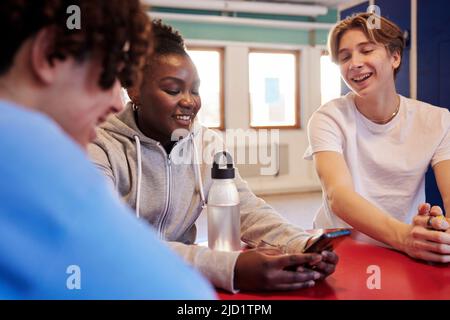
x=330, y=79
x=273, y=85
x=209, y=63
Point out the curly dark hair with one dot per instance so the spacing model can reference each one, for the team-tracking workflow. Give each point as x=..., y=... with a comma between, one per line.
x=166, y=39
x=117, y=31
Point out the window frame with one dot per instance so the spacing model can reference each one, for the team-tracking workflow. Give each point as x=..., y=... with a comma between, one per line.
x=221, y=51
x=325, y=52
x=297, y=55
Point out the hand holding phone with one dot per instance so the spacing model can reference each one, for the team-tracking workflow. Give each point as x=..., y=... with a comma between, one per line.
x=326, y=240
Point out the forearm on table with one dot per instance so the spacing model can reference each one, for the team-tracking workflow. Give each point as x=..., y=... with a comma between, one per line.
x=366, y=217
x=216, y=266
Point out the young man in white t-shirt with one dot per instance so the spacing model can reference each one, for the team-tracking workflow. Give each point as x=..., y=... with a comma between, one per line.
x=372, y=147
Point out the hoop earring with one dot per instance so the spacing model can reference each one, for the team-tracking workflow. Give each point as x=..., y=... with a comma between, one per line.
x=135, y=107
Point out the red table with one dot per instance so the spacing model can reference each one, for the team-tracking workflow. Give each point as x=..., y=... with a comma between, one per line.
x=401, y=277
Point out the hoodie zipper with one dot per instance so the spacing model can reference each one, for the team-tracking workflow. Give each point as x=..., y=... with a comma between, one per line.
x=168, y=193
x=162, y=225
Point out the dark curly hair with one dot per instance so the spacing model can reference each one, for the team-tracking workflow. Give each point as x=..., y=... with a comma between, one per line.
x=166, y=39
x=117, y=31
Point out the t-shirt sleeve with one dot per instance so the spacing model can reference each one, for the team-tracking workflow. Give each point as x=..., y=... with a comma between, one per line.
x=323, y=135
x=443, y=150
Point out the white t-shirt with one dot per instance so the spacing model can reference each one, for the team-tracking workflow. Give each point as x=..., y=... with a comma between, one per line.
x=387, y=162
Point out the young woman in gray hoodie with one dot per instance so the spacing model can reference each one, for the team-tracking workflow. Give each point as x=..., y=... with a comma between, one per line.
x=167, y=181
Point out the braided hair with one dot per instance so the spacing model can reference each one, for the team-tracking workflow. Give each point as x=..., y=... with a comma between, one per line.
x=166, y=39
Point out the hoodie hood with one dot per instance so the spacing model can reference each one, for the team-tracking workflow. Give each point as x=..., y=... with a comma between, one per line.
x=147, y=166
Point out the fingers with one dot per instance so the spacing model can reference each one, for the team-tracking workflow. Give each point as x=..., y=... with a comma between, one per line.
x=437, y=222
x=277, y=274
x=423, y=251
x=440, y=248
x=328, y=264
x=439, y=237
x=294, y=286
x=424, y=209
x=440, y=223
x=330, y=256
x=257, y=270
x=430, y=245
x=429, y=256
x=436, y=211
x=289, y=260
x=325, y=269
x=298, y=276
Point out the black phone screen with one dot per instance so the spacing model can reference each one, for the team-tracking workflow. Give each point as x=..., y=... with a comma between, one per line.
x=328, y=240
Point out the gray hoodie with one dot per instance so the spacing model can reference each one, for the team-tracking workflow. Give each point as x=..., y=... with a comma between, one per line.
x=169, y=192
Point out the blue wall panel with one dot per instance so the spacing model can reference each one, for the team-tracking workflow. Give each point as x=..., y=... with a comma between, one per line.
x=433, y=52
x=399, y=11
x=355, y=9
x=433, y=68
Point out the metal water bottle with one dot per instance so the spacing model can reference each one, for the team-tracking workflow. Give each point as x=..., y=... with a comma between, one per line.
x=224, y=224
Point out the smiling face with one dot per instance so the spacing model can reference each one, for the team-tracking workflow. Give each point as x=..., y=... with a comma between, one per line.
x=169, y=98
x=366, y=67
x=78, y=103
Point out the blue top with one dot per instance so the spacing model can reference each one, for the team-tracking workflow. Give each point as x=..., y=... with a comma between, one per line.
x=64, y=234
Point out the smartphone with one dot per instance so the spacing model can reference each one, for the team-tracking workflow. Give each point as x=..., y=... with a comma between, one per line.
x=326, y=240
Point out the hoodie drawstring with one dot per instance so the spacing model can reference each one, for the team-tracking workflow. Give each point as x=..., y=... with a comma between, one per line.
x=199, y=173
x=139, y=174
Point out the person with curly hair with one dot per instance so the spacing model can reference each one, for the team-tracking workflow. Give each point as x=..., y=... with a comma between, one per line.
x=64, y=234
x=165, y=183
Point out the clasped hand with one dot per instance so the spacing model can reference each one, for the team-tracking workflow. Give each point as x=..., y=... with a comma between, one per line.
x=429, y=235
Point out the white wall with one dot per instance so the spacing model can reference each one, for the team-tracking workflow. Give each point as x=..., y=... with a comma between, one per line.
x=302, y=176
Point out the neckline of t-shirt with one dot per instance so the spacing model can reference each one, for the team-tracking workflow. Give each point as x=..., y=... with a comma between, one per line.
x=372, y=126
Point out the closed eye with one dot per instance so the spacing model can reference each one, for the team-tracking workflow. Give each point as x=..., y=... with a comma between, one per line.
x=172, y=92
x=344, y=58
